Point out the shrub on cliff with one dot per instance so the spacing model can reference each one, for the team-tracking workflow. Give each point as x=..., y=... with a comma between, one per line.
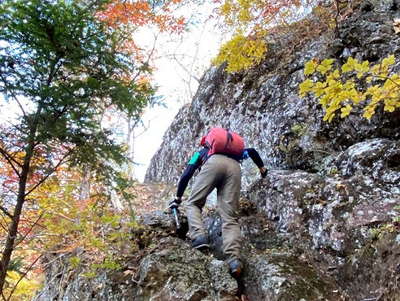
x=353, y=84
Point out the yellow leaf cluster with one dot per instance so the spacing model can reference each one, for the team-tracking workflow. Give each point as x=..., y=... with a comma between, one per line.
x=310, y=67
x=241, y=14
x=25, y=290
x=254, y=18
x=241, y=53
x=69, y=222
x=343, y=88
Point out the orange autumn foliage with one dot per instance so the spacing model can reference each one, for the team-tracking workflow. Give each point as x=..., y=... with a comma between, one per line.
x=140, y=13
x=136, y=15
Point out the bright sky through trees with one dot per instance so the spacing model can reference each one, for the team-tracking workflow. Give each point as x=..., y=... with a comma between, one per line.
x=179, y=61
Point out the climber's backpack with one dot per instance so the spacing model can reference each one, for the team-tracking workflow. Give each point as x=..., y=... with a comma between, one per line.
x=223, y=141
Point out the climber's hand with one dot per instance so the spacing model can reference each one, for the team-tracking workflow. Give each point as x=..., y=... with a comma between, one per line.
x=175, y=203
x=263, y=172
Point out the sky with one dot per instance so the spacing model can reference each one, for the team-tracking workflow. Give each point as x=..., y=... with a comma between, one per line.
x=194, y=50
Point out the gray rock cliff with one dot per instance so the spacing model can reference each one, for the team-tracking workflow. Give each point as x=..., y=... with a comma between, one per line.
x=331, y=187
x=263, y=105
x=323, y=225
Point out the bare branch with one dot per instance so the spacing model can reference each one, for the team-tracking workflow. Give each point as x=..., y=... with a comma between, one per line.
x=186, y=69
x=145, y=128
x=13, y=95
x=9, y=190
x=30, y=229
x=49, y=173
x=5, y=211
x=149, y=57
x=22, y=277
x=1, y=224
x=10, y=160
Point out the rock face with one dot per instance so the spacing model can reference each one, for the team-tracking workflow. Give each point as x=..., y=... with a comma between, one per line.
x=263, y=104
x=332, y=195
x=168, y=269
x=323, y=225
x=330, y=218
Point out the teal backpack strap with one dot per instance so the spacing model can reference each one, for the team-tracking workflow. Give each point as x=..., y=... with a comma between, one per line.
x=194, y=158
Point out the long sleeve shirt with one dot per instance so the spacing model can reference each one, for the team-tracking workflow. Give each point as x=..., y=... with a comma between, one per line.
x=200, y=157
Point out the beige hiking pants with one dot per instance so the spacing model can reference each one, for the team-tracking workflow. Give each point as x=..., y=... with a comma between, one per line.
x=223, y=173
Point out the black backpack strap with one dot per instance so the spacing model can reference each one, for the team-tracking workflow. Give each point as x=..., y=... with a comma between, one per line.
x=229, y=137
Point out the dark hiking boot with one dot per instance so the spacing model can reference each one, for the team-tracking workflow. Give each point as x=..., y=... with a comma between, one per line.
x=200, y=243
x=235, y=267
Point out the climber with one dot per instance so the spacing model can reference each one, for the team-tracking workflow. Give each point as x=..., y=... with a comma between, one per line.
x=218, y=162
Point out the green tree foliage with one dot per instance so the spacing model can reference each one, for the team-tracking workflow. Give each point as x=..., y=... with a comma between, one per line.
x=353, y=84
x=63, y=68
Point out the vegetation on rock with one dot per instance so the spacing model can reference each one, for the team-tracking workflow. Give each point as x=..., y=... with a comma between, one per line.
x=353, y=84
x=252, y=21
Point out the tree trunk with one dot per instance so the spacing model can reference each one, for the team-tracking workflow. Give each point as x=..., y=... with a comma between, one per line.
x=84, y=188
x=130, y=141
x=13, y=228
x=23, y=178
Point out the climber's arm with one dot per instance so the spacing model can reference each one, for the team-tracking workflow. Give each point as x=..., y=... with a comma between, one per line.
x=254, y=155
x=194, y=163
x=184, y=180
